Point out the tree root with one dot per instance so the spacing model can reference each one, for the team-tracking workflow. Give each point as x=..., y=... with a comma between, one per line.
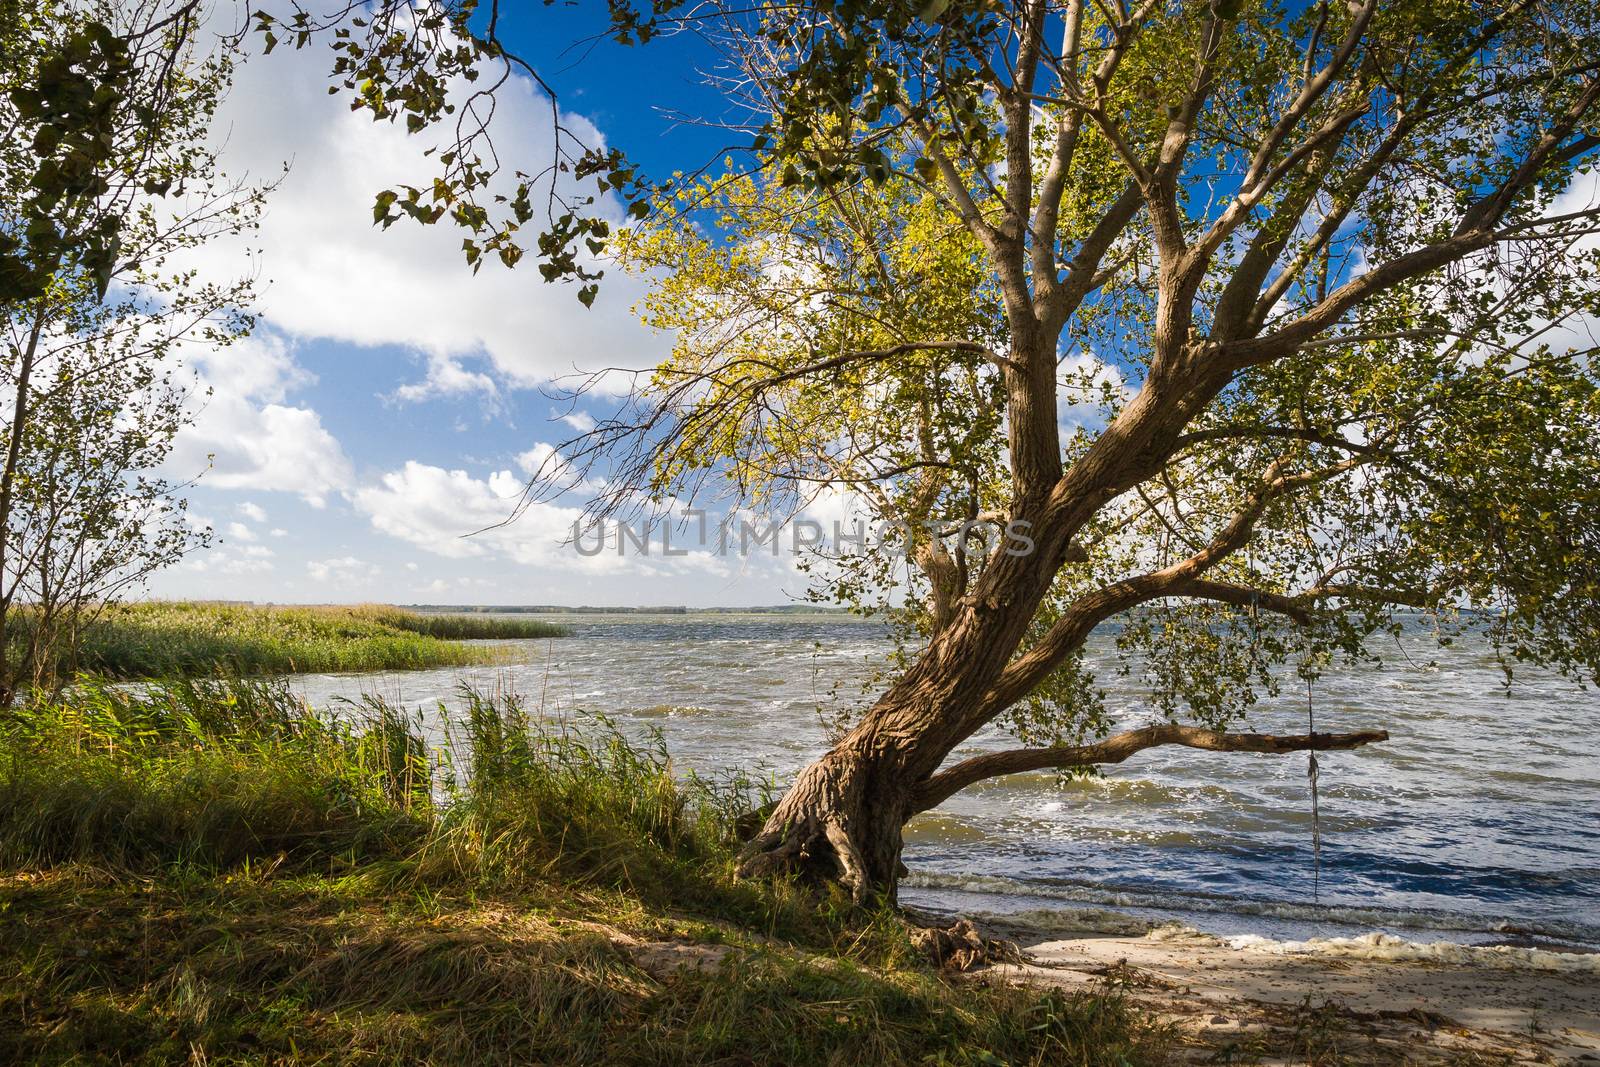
x=852, y=869
x=748, y=825
x=962, y=947
x=773, y=852
x=794, y=848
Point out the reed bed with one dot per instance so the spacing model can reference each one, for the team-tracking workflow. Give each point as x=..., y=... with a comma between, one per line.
x=208, y=870
x=169, y=639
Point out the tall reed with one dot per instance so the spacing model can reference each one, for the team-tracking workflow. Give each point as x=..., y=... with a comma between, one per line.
x=182, y=638
x=210, y=871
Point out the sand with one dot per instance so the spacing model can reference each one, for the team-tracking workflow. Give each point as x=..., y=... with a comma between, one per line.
x=1371, y=1000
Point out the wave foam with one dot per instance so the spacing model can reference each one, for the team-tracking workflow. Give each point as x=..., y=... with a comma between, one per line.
x=1381, y=946
x=1074, y=895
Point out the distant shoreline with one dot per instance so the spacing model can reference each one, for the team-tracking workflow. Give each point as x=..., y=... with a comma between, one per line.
x=665, y=609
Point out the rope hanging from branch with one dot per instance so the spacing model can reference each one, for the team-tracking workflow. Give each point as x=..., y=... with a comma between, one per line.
x=1311, y=774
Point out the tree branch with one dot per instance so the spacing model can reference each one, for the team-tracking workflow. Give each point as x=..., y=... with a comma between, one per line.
x=1297, y=608
x=1474, y=231
x=1093, y=608
x=940, y=787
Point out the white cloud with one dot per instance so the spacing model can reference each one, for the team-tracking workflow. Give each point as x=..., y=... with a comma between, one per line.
x=247, y=436
x=1084, y=380
x=342, y=570
x=447, y=377
x=252, y=511
x=1580, y=331
x=330, y=273
x=436, y=509
x=278, y=531
x=228, y=559
x=455, y=515
x=240, y=532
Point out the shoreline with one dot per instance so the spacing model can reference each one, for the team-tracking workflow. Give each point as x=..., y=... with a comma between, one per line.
x=1375, y=999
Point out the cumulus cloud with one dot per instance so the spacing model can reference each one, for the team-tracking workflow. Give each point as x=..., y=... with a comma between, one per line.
x=245, y=436
x=453, y=514
x=225, y=559
x=342, y=570
x=253, y=511
x=447, y=377
x=436, y=509
x=332, y=274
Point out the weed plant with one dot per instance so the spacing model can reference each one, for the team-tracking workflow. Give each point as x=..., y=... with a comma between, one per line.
x=209, y=871
x=163, y=639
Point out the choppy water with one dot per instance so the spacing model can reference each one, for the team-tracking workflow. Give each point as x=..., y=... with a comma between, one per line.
x=1478, y=821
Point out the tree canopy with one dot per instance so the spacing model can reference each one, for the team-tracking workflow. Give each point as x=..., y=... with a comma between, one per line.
x=1270, y=321
x=1257, y=203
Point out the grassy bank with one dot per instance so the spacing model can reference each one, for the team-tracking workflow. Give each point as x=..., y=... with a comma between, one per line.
x=211, y=873
x=167, y=639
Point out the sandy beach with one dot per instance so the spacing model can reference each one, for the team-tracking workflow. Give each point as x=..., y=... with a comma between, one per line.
x=1362, y=1000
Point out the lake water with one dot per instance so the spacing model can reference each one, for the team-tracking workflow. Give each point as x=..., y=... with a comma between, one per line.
x=1479, y=821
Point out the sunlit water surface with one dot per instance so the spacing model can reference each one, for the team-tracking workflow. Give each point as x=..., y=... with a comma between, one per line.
x=1478, y=821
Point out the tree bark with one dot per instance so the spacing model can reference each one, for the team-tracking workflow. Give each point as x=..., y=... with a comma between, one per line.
x=841, y=819
x=932, y=792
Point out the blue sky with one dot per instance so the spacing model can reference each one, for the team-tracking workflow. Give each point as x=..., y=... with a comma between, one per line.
x=390, y=401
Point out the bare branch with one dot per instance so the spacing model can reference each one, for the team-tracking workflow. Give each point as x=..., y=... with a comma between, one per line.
x=940, y=787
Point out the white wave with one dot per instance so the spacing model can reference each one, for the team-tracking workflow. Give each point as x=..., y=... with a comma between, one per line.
x=1108, y=896
x=1381, y=946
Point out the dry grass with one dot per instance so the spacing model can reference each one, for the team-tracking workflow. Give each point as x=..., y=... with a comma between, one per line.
x=212, y=873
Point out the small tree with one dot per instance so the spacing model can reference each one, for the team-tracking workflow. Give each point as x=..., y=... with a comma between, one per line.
x=107, y=181
x=1251, y=316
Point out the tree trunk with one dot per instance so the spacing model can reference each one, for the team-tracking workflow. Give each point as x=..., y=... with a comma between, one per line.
x=8, y=477
x=841, y=820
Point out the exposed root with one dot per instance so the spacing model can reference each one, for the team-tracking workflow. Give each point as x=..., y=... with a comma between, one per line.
x=821, y=847
x=748, y=825
x=852, y=870
x=773, y=852
x=962, y=947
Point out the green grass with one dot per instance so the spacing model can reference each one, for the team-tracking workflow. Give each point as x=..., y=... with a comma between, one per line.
x=170, y=639
x=210, y=872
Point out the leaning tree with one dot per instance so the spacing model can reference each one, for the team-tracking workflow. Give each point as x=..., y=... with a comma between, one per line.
x=1265, y=322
